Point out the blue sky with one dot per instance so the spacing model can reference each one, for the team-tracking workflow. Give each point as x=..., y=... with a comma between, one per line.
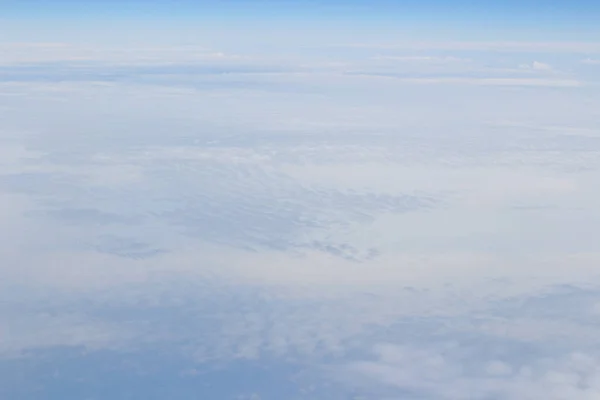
x=298, y=200
x=439, y=19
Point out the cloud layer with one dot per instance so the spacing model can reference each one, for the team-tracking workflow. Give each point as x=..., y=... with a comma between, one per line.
x=410, y=221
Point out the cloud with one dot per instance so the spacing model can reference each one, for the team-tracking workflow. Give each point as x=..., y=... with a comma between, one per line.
x=171, y=202
x=205, y=69
x=450, y=373
x=278, y=196
x=20, y=333
x=503, y=46
x=537, y=66
x=15, y=54
x=524, y=82
x=422, y=59
x=541, y=66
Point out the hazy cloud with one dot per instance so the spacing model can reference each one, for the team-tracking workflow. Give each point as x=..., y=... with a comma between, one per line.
x=417, y=220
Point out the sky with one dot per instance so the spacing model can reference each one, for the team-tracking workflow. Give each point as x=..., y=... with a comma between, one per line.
x=302, y=200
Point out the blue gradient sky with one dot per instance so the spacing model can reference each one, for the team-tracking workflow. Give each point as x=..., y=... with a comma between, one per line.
x=478, y=20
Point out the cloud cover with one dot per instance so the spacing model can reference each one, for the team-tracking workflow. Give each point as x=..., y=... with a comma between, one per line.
x=193, y=216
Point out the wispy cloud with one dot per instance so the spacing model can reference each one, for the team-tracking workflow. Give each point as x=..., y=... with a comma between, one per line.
x=504, y=46
x=422, y=59
x=525, y=82
x=399, y=218
x=29, y=53
x=450, y=373
x=537, y=66
x=201, y=68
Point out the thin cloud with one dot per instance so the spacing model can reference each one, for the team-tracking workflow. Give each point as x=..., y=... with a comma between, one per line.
x=450, y=373
x=33, y=53
x=525, y=82
x=541, y=47
x=537, y=66
x=422, y=59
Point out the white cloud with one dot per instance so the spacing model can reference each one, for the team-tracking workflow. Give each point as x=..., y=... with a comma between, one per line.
x=14, y=54
x=21, y=333
x=183, y=65
x=422, y=59
x=503, y=46
x=306, y=213
x=537, y=66
x=541, y=66
x=449, y=373
x=524, y=82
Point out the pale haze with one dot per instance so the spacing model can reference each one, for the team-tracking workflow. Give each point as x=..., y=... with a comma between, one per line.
x=289, y=202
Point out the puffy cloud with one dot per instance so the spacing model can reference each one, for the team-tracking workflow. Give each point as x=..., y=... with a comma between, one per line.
x=540, y=66
x=537, y=66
